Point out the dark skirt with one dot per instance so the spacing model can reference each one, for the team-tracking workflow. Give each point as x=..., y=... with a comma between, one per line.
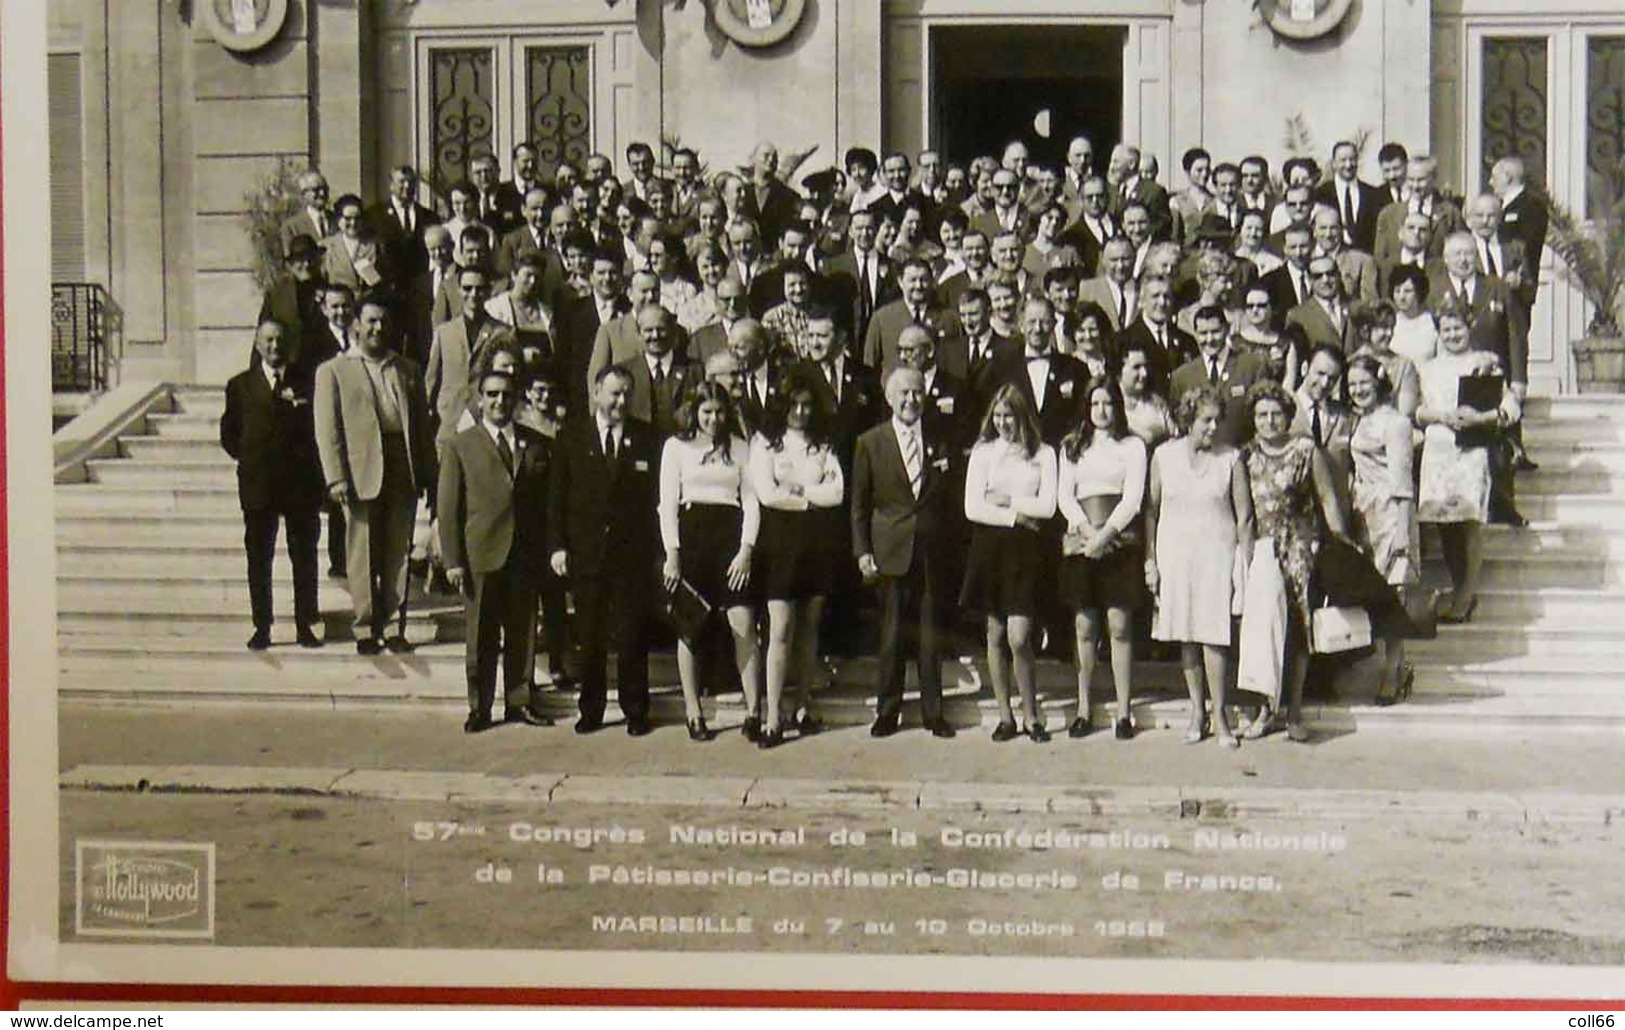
x=1114, y=580
x=797, y=553
x=707, y=540
x=1003, y=571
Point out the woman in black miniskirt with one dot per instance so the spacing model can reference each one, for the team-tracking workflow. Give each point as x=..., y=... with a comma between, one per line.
x=799, y=485
x=1009, y=492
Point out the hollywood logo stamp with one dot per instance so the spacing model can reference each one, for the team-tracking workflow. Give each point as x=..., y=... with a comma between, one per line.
x=144, y=889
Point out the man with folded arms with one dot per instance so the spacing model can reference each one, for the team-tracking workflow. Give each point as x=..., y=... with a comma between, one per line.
x=492, y=507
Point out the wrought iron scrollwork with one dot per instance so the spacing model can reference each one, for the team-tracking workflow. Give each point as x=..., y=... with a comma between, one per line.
x=1605, y=112
x=462, y=98
x=1514, y=102
x=558, y=103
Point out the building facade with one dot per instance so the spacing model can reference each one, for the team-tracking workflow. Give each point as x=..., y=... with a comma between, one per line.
x=159, y=132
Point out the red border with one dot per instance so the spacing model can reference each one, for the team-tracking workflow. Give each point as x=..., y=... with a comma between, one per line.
x=13, y=992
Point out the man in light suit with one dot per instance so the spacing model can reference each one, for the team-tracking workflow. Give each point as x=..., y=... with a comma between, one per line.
x=455, y=352
x=619, y=341
x=900, y=515
x=314, y=218
x=373, y=435
x=1357, y=268
x=267, y=428
x=352, y=255
x=1114, y=290
x=1222, y=366
x=492, y=507
x=1324, y=317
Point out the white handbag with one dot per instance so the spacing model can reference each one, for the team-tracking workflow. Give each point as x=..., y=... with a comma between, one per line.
x=1334, y=630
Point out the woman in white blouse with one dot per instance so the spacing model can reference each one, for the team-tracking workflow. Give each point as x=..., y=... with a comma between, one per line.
x=799, y=486
x=708, y=523
x=1100, y=487
x=1009, y=493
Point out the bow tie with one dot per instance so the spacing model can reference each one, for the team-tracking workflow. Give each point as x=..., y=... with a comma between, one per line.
x=1037, y=357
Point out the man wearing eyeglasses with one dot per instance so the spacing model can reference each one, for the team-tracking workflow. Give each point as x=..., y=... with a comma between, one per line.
x=492, y=506
x=1323, y=318
x=1008, y=215
x=1092, y=225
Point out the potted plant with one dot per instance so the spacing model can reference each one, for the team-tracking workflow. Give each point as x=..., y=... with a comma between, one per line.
x=1593, y=253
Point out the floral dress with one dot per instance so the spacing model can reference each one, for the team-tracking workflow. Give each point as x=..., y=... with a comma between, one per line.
x=1284, y=510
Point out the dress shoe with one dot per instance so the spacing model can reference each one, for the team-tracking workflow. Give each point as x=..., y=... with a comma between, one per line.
x=526, y=715
x=1005, y=731
x=1124, y=729
x=399, y=645
x=1451, y=618
x=589, y=724
x=477, y=723
x=308, y=637
x=770, y=739
x=638, y=727
x=1038, y=734
x=1525, y=464
x=260, y=640
x=884, y=726
x=752, y=728
x=808, y=724
x=698, y=730
x=1078, y=728
x=940, y=728
x=337, y=572
x=1508, y=517
x=369, y=646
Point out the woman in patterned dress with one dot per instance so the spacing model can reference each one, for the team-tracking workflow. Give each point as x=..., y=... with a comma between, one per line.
x=1293, y=496
x=1385, y=523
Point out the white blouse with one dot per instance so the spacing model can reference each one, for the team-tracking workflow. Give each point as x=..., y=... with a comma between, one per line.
x=795, y=464
x=1108, y=468
x=691, y=474
x=998, y=467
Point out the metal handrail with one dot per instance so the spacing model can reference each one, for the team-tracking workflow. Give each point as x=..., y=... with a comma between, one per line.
x=79, y=337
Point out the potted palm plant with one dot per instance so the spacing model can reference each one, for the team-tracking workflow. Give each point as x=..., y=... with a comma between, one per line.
x=1593, y=253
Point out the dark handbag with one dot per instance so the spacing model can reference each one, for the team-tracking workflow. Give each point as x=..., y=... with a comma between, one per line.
x=687, y=610
x=1481, y=393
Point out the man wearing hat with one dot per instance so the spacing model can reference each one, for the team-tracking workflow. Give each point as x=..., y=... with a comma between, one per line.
x=294, y=298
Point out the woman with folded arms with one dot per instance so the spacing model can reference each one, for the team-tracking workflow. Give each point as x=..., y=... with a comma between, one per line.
x=709, y=519
x=1009, y=493
x=1100, y=487
x=798, y=483
x=1385, y=523
x=1198, y=520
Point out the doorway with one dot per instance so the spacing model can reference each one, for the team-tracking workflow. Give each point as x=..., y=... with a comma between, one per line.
x=1040, y=84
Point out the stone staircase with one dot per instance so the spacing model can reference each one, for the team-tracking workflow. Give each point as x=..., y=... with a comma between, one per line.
x=152, y=604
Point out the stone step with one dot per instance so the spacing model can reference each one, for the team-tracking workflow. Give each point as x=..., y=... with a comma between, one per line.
x=1574, y=406
x=199, y=400
x=225, y=626
x=1476, y=643
x=1571, y=509
x=184, y=425
x=172, y=448
x=1539, y=435
x=126, y=472
x=1552, y=607
x=1578, y=482
x=216, y=498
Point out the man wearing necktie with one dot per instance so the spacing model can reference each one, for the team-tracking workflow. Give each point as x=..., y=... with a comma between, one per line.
x=605, y=542
x=1217, y=363
x=400, y=222
x=492, y=513
x=267, y=427
x=1322, y=318
x=372, y=430
x=900, y=522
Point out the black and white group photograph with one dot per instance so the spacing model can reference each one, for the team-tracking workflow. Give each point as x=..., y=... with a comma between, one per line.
x=1072, y=497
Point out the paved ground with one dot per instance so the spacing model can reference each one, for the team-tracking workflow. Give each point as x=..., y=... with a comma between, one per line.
x=378, y=828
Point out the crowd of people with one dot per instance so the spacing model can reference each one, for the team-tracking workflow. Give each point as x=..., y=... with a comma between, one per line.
x=1067, y=400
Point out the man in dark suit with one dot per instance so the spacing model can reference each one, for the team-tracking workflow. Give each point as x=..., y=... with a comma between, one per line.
x=1127, y=187
x=1222, y=366
x=399, y=223
x=533, y=237
x=372, y=430
x=294, y=300
x=1092, y=225
x=1053, y=383
x=862, y=280
x=661, y=378
x=894, y=174
x=1357, y=203
x=527, y=176
x=765, y=200
x=984, y=351
x=605, y=543
x=1007, y=214
x=267, y=427
x=732, y=308
x=1166, y=346
x=489, y=205
x=916, y=305
x=1422, y=197
x=492, y=511
x=417, y=298
x=900, y=508
x=1289, y=284
x=759, y=372
x=1523, y=217
x=579, y=323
